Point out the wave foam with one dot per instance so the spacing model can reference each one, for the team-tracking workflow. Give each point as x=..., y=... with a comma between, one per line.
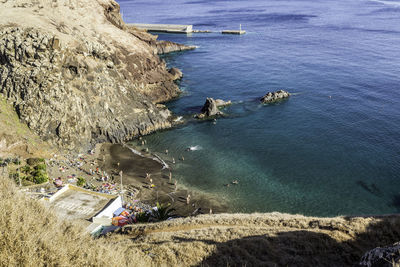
x=155, y=158
x=389, y=3
x=194, y=148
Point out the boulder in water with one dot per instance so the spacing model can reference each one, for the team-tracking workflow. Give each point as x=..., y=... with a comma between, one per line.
x=209, y=109
x=271, y=97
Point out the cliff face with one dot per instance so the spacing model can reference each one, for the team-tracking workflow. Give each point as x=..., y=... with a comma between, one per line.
x=77, y=77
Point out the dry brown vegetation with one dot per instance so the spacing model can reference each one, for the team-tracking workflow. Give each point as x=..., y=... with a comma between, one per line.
x=16, y=138
x=263, y=239
x=31, y=235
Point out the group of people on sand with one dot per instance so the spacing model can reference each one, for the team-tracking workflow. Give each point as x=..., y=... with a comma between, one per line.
x=152, y=185
x=182, y=158
x=148, y=177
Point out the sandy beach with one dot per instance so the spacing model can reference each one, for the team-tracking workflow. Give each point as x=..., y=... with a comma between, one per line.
x=138, y=188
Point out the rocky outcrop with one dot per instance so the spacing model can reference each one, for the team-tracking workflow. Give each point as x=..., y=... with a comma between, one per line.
x=112, y=13
x=386, y=256
x=221, y=103
x=271, y=97
x=161, y=47
x=176, y=73
x=164, y=47
x=75, y=86
x=211, y=108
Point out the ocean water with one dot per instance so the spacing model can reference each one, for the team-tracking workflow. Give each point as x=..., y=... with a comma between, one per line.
x=333, y=148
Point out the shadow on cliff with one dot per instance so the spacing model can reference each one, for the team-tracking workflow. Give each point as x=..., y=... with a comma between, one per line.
x=303, y=247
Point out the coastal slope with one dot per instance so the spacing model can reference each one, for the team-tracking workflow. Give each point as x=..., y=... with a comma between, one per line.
x=32, y=235
x=76, y=76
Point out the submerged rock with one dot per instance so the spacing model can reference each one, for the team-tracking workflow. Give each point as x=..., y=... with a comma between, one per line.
x=271, y=97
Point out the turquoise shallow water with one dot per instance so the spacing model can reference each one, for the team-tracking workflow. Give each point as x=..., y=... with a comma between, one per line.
x=333, y=147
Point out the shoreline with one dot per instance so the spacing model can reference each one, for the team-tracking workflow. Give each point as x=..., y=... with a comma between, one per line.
x=135, y=165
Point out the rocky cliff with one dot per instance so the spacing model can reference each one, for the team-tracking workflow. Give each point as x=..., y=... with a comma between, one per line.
x=76, y=76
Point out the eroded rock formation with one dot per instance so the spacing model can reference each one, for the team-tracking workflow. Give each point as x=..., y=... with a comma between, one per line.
x=78, y=77
x=211, y=108
x=271, y=97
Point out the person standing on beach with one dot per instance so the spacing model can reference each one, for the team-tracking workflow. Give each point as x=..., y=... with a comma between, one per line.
x=187, y=199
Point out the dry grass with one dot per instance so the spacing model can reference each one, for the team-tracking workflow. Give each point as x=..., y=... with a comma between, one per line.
x=16, y=138
x=31, y=235
x=262, y=239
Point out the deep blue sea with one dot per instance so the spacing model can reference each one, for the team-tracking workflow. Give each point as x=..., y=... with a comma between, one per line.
x=333, y=148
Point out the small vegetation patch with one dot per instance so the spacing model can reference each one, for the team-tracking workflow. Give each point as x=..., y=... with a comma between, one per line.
x=34, y=172
x=163, y=212
x=81, y=181
x=34, y=161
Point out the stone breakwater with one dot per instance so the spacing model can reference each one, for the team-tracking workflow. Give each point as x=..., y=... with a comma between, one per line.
x=76, y=87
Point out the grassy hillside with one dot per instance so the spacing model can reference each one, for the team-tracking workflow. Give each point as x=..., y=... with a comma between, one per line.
x=16, y=138
x=31, y=235
x=263, y=239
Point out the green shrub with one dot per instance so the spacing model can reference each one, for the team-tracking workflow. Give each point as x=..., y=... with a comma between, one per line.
x=40, y=167
x=40, y=177
x=142, y=217
x=34, y=161
x=16, y=161
x=163, y=212
x=26, y=169
x=81, y=181
x=14, y=175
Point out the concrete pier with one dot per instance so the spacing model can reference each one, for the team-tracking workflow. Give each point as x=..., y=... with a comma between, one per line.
x=233, y=32
x=171, y=28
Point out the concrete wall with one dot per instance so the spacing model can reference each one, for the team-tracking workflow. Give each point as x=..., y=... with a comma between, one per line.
x=108, y=211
